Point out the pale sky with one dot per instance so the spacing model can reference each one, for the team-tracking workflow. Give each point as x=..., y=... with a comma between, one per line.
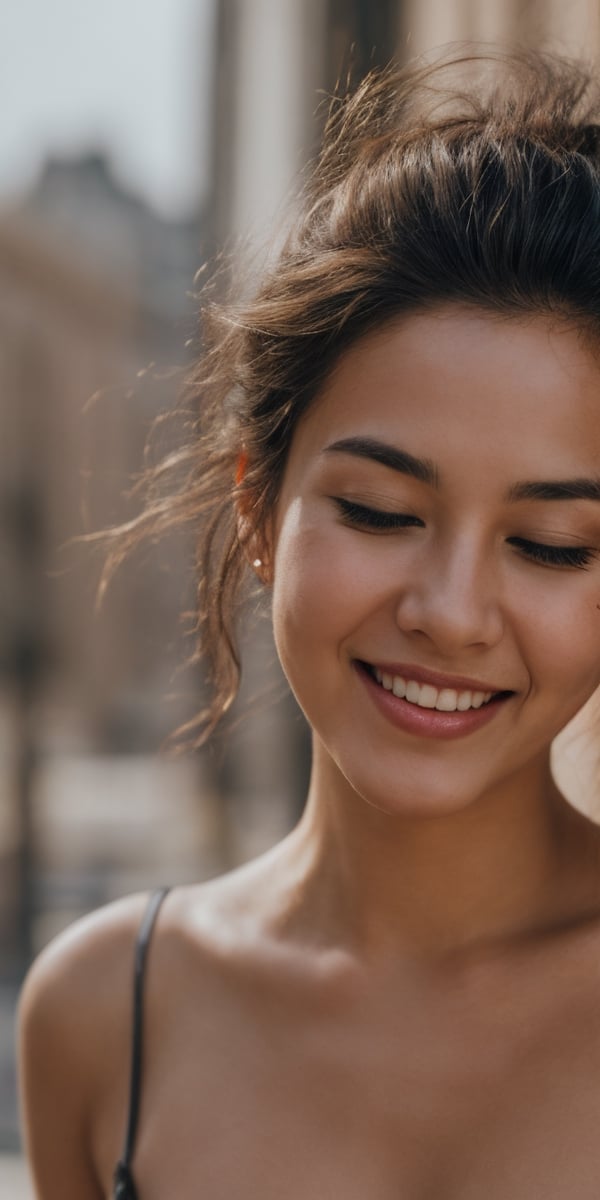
x=129, y=76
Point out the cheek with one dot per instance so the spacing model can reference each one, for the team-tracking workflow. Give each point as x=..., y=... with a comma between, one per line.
x=564, y=646
x=321, y=588
x=309, y=583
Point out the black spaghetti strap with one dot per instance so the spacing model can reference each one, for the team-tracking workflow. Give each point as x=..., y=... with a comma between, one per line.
x=124, y=1188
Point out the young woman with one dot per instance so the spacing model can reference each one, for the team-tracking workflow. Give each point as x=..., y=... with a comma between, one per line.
x=402, y=999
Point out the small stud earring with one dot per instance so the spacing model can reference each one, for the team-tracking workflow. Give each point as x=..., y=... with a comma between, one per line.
x=257, y=562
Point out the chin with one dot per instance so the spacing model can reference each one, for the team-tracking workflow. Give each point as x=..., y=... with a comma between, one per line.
x=422, y=800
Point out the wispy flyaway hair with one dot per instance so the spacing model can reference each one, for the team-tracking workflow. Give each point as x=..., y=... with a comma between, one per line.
x=473, y=179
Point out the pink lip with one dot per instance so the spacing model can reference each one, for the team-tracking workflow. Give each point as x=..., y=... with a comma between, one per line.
x=459, y=683
x=428, y=722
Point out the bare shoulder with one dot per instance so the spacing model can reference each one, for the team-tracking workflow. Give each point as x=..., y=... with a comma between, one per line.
x=83, y=979
x=81, y=970
x=210, y=958
x=73, y=1025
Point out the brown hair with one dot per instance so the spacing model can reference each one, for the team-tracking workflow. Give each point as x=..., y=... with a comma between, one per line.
x=474, y=178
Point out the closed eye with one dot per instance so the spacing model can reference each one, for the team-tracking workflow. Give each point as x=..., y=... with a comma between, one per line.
x=364, y=517
x=554, y=556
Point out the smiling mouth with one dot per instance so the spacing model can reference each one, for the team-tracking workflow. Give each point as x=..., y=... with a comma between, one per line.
x=426, y=695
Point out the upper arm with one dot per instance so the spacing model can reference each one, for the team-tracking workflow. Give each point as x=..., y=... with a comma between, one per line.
x=53, y=1091
x=73, y=1017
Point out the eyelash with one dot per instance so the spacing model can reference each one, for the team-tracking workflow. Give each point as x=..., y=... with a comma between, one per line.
x=375, y=518
x=538, y=552
x=554, y=556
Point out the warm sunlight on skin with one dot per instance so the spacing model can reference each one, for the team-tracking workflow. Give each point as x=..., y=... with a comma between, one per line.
x=474, y=584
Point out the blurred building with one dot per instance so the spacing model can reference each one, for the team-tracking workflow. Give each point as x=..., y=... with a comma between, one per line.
x=95, y=311
x=281, y=60
x=95, y=295
x=96, y=308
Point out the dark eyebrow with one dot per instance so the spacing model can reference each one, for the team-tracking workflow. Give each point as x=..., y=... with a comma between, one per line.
x=557, y=489
x=425, y=471
x=390, y=456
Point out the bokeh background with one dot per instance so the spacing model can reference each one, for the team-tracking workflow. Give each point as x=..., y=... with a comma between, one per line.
x=137, y=138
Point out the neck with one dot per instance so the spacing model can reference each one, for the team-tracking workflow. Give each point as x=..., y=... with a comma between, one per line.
x=512, y=863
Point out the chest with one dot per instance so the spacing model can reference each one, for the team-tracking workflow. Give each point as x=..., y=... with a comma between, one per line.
x=497, y=1104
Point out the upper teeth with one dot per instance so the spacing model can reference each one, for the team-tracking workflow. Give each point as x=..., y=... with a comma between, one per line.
x=427, y=696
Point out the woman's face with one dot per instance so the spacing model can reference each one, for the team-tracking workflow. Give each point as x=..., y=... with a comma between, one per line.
x=438, y=537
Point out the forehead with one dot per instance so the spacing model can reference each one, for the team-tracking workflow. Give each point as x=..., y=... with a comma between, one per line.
x=461, y=385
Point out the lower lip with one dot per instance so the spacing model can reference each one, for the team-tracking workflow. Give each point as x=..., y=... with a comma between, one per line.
x=427, y=722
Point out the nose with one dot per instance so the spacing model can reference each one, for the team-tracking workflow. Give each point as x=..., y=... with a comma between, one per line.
x=453, y=600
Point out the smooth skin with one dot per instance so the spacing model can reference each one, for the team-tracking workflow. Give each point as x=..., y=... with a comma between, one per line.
x=402, y=998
